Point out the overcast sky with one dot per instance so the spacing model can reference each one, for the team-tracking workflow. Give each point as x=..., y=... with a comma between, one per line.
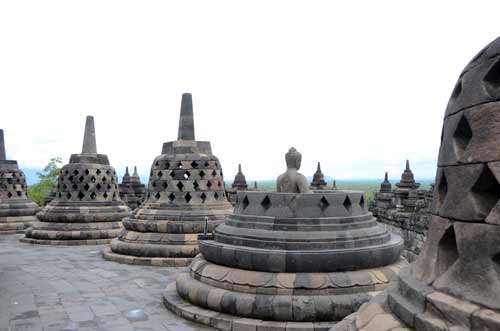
x=360, y=85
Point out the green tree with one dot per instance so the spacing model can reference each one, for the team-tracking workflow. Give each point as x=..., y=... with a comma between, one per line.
x=40, y=191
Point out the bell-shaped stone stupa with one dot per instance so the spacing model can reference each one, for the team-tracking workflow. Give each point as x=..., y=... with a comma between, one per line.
x=185, y=197
x=455, y=282
x=17, y=211
x=318, y=181
x=87, y=209
x=291, y=259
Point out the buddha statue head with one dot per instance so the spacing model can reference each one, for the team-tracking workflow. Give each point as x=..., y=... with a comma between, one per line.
x=292, y=181
x=293, y=159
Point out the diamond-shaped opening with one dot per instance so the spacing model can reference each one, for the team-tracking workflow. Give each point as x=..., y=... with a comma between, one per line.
x=165, y=185
x=245, y=202
x=93, y=195
x=462, y=135
x=171, y=197
x=216, y=196
x=442, y=190
x=160, y=174
x=179, y=165
x=496, y=259
x=196, y=186
x=68, y=195
x=206, y=164
x=19, y=193
x=492, y=78
x=98, y=171
x=74, y=186
x=214, y=173
x=81, y=195
x=323, y=203
x=219, y=184
x=86, y=186
x=154, y=183
x=60, y=195
x=70, y=178
x=362, y=202
x=457, y=89
x=180, y=186
x=87, y=171
x=194, y=164
x=104, y=179
x=202, y=174
x=9, y=194
x=216, y=165
x=187, y=197
x=203, y=197
x=266, y=203
x=109, y=187
x=167, y=165
x=209, y=184
x=486, y=191
x=66, y=172
x=114, y=195
x=447, y=250
x=108, y=172
x=75, y=172
x=157, y=195
x=105, y=195
x=186, y=175
x=157, y=164
x=92, y=179
x=172, y=174
x=347, y=203
x=98, y=186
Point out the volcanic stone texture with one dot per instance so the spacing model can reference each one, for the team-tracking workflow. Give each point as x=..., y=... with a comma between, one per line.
x=455, y=282
x=289, y=258
x=17, y=211
x=131, y=189
x=87, y=209
x=185, y=193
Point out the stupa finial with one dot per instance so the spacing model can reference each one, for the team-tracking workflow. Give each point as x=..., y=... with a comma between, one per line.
x=319, y=167
x=135, y=172
x=407, y=165
x=126, y=171
x=2, y=147
x=186, y=121
x=239, y=167
x=386, y=178
x=89, y=142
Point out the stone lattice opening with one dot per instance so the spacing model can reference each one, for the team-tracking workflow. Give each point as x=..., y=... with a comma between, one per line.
x=209, y=184
x=165, y=185
x=81, y=195
x=447, y=250
x=196, y=186
x=160, y=174
x=180, y=186
x=462, y=135
x=98, y=171
x=266, y=203
x=492, y=78
x=187, y=197
x=105, y=195
x=486, y=191
x=202, y=174
x=172, y=174
x=362, y=202
x=157, y=195
x=214, y=173
x=496, y=260
x=216, y=196
x=245, y=202
x=203, y=197
x=323, y=203
x=347, y=203
x=93, y=195
x=194, y=164
x=171, y=197
x=442, y=190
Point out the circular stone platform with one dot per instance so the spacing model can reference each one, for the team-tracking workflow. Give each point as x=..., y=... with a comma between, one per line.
x=289, y=258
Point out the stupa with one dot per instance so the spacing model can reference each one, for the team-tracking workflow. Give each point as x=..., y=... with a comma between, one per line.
x=455, y=282
x=384, y=197
x=185, y=197
x=131, y=189
x=240, y=182
x=292, y=259
x=87, y=209
x=17, y=211
x=318, y=182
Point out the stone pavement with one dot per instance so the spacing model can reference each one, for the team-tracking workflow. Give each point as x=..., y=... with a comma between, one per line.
x=74, y=288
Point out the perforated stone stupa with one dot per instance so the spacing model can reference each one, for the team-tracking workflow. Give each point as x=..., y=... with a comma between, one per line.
x=185, y=197
x=318, y=181
x=17, y=211
x=87, y=209
x=240, y=182
x=131, y=189
x=455, y=282
x=289, y=259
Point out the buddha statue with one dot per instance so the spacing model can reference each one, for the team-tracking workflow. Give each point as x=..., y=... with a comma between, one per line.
x=292, y=181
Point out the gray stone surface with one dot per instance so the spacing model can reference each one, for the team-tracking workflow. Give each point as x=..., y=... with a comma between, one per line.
x=185, y=192
x=17, y=211
x=87, y=209
x=455, y=282
x=72, y=288
x=132, y=191
x=318, y=182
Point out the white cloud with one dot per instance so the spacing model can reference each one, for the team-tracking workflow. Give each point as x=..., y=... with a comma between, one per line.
x=360, y=86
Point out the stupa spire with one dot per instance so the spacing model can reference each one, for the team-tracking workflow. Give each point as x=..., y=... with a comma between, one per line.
x=135, y=172
x=407, y=165
x=186, y=121
x=386, y=178
x=126, y=171
x=2, y=147
x=89, y=142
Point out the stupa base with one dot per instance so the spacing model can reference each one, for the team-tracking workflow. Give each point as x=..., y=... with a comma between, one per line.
x=109, y=255
x=221, y=321
x=65, y=242
x=16, y=224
